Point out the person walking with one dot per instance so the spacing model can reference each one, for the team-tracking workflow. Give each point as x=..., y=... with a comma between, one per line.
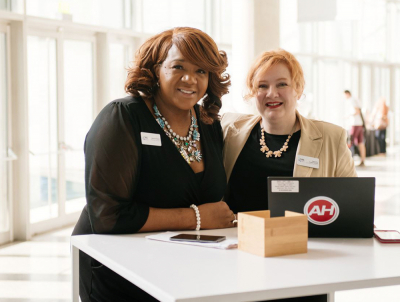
x=357, y=126
x=380, y=123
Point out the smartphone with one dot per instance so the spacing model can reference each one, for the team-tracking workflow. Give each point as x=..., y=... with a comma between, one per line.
x=197, y=238
x=387, y=236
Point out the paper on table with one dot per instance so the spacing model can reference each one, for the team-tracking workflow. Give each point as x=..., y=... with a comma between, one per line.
x=225, y=245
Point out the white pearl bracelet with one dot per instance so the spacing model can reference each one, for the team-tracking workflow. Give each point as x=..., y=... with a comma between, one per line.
x=196, y=210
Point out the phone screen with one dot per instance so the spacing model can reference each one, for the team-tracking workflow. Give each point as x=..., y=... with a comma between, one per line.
x=388, y=235
x=197, y=238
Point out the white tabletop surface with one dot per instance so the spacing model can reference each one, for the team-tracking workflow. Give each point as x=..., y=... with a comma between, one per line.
x=175, y=272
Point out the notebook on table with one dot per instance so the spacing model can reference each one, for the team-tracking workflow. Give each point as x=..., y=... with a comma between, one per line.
x=338, y=207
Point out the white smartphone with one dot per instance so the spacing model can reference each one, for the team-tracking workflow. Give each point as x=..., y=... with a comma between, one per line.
x=197, y=238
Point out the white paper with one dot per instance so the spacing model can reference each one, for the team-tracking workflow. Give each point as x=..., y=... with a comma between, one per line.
x=151, y=139
x=224, y=245
x=285, y=186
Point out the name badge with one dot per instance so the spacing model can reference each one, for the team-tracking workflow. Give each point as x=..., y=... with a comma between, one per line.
x=307, y=161
x=151, y=139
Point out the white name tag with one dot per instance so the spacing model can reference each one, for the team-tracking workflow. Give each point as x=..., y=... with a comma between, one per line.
x=285, y=186
x=307, y=161
x=151, y=139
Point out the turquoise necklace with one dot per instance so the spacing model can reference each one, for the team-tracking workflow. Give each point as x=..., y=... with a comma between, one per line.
x=187, y=145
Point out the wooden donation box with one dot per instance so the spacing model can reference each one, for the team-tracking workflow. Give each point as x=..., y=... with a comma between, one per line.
x=264, y=236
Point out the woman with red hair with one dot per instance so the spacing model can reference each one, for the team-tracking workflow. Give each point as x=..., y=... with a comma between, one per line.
x=279, y=141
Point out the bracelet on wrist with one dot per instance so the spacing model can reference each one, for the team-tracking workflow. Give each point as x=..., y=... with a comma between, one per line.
x=197, y=212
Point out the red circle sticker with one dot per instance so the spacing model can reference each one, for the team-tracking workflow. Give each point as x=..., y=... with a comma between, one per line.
x=321, y=210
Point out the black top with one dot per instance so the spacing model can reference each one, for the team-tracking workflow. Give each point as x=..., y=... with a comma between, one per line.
x=124, y=177
x=247, y=187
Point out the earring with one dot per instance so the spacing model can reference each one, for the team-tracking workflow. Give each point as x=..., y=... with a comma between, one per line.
x=158, y=84
x=204, y=97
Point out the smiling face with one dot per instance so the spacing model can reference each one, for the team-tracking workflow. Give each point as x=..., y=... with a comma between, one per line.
x=276, y=97
x=182, y=83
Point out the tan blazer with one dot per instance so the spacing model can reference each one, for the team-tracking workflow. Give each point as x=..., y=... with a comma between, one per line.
x=319, y=139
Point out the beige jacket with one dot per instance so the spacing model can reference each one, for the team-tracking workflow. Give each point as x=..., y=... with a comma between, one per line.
x=321, y=140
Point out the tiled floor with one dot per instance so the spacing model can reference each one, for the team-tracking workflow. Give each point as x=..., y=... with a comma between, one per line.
x=40, y=270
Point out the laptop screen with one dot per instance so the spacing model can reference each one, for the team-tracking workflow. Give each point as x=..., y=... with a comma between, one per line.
x=341, y=207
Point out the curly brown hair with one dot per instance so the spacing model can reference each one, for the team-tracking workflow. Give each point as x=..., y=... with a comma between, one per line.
x=195, y=45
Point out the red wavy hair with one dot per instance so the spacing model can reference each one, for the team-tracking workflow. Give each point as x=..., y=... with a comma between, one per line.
x=270, y=58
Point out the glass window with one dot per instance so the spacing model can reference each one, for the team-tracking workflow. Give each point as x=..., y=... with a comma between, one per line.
x=395, y=33
x=364, y=30
x=326, y=38
x=335, y=38
x=46, y=9
x=4, y=202
x=381, y=88
x=159, y=15
x=109, y=13
x=224, y=20
x=350, y=77
x=366, y=84
x=119, y=61
x=288, y=26
x=78, y=117
x=380, y=85
x=226, y=24
x=345, y=39
x=43, y=138
x=330, y=92
x=395, y=108
x=306, y=32
x=306, y=104
x=15, y=6
x=347, y=76
x=373, y=30
x=3, y=5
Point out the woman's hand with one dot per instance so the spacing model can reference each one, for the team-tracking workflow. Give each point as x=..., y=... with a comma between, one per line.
x=216, y=215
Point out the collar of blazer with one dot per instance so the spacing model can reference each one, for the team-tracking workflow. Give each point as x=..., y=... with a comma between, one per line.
x=237, y=128
x=310, y=145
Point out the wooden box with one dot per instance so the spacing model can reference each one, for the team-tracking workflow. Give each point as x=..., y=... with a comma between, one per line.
x=267, y=237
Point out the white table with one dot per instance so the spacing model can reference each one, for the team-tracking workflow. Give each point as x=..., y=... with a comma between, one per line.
x=175, y=272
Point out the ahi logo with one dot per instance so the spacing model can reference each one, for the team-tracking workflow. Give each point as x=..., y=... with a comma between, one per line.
x=321, y=210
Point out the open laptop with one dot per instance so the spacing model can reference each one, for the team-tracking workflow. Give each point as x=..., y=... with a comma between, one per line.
x=341, y=207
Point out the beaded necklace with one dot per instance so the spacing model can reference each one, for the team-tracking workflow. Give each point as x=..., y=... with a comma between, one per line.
x=186, y=145
x=277, y=153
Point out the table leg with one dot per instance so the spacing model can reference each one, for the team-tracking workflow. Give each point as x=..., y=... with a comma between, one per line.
x=331, y=297
x=75, y=274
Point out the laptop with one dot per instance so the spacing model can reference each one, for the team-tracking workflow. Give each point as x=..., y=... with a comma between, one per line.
x=338, y=207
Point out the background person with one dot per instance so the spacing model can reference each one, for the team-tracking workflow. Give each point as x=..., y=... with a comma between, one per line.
x=380, y=122
x=356, y=126
x=136, y=186
x=273, y=142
